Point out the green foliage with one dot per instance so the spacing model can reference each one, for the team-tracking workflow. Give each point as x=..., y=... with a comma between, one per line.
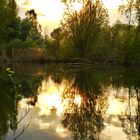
x=56, y=34
x=25, y=29
x=87, y=37
x=37, y=38
x=82, y=28
x=67, y=51
x=82, y=34
x=15, y=43
x=28, y=43
x=9, y=71
x=8, y=19
x=17, y=33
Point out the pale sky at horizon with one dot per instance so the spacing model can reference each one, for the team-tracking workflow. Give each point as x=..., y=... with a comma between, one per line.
x=50, y=11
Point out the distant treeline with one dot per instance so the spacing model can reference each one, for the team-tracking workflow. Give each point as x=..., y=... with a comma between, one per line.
x=82, y=35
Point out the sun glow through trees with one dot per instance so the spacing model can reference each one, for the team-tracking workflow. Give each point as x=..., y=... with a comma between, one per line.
x=50, y=12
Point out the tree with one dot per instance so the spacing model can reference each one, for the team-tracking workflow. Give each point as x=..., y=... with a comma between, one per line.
x=33, y=29
x=118, y=37
x=25, y=29
x=8, y=20
x=132, y=12
x=138, y=22
x=57, y=35
x=32, y=17
x=82, y=28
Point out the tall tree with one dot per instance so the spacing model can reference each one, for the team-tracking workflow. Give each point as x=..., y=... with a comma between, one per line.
x=132, y=12
x=32, y=16
x=8, y=21
x=34, y=31
x=82, y=27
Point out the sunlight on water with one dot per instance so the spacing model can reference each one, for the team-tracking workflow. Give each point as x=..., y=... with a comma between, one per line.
x=54, y=100
x=50, y=105
x=120, y=104
x=50, y=97
x=77, y=100
x=116, y=107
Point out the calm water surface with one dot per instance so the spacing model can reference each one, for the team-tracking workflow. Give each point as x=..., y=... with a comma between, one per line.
x=67, y=102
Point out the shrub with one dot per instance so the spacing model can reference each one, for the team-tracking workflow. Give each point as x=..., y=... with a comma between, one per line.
x=15, y=43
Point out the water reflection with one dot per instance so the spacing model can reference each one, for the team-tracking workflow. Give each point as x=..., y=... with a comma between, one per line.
x=62, y=103
x=122, y=113
x=79, y=104
x=65, y=110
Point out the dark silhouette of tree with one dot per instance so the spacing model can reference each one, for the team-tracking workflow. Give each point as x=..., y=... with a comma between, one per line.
x=32, y=16
x=83, y=118
x=84, y=121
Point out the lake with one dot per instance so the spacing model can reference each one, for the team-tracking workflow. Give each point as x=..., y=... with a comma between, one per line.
x=69, y=102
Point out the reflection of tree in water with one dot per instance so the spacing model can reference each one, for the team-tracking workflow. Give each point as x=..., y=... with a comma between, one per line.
x=83, y=117
x=9, y=96
x=7, y=110
x=131, y=120
x=4, y=117
x=84, y=121
x=16, y=97
x=138, y=112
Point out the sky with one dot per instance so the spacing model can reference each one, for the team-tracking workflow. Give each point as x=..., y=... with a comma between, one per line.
x=50, y=11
